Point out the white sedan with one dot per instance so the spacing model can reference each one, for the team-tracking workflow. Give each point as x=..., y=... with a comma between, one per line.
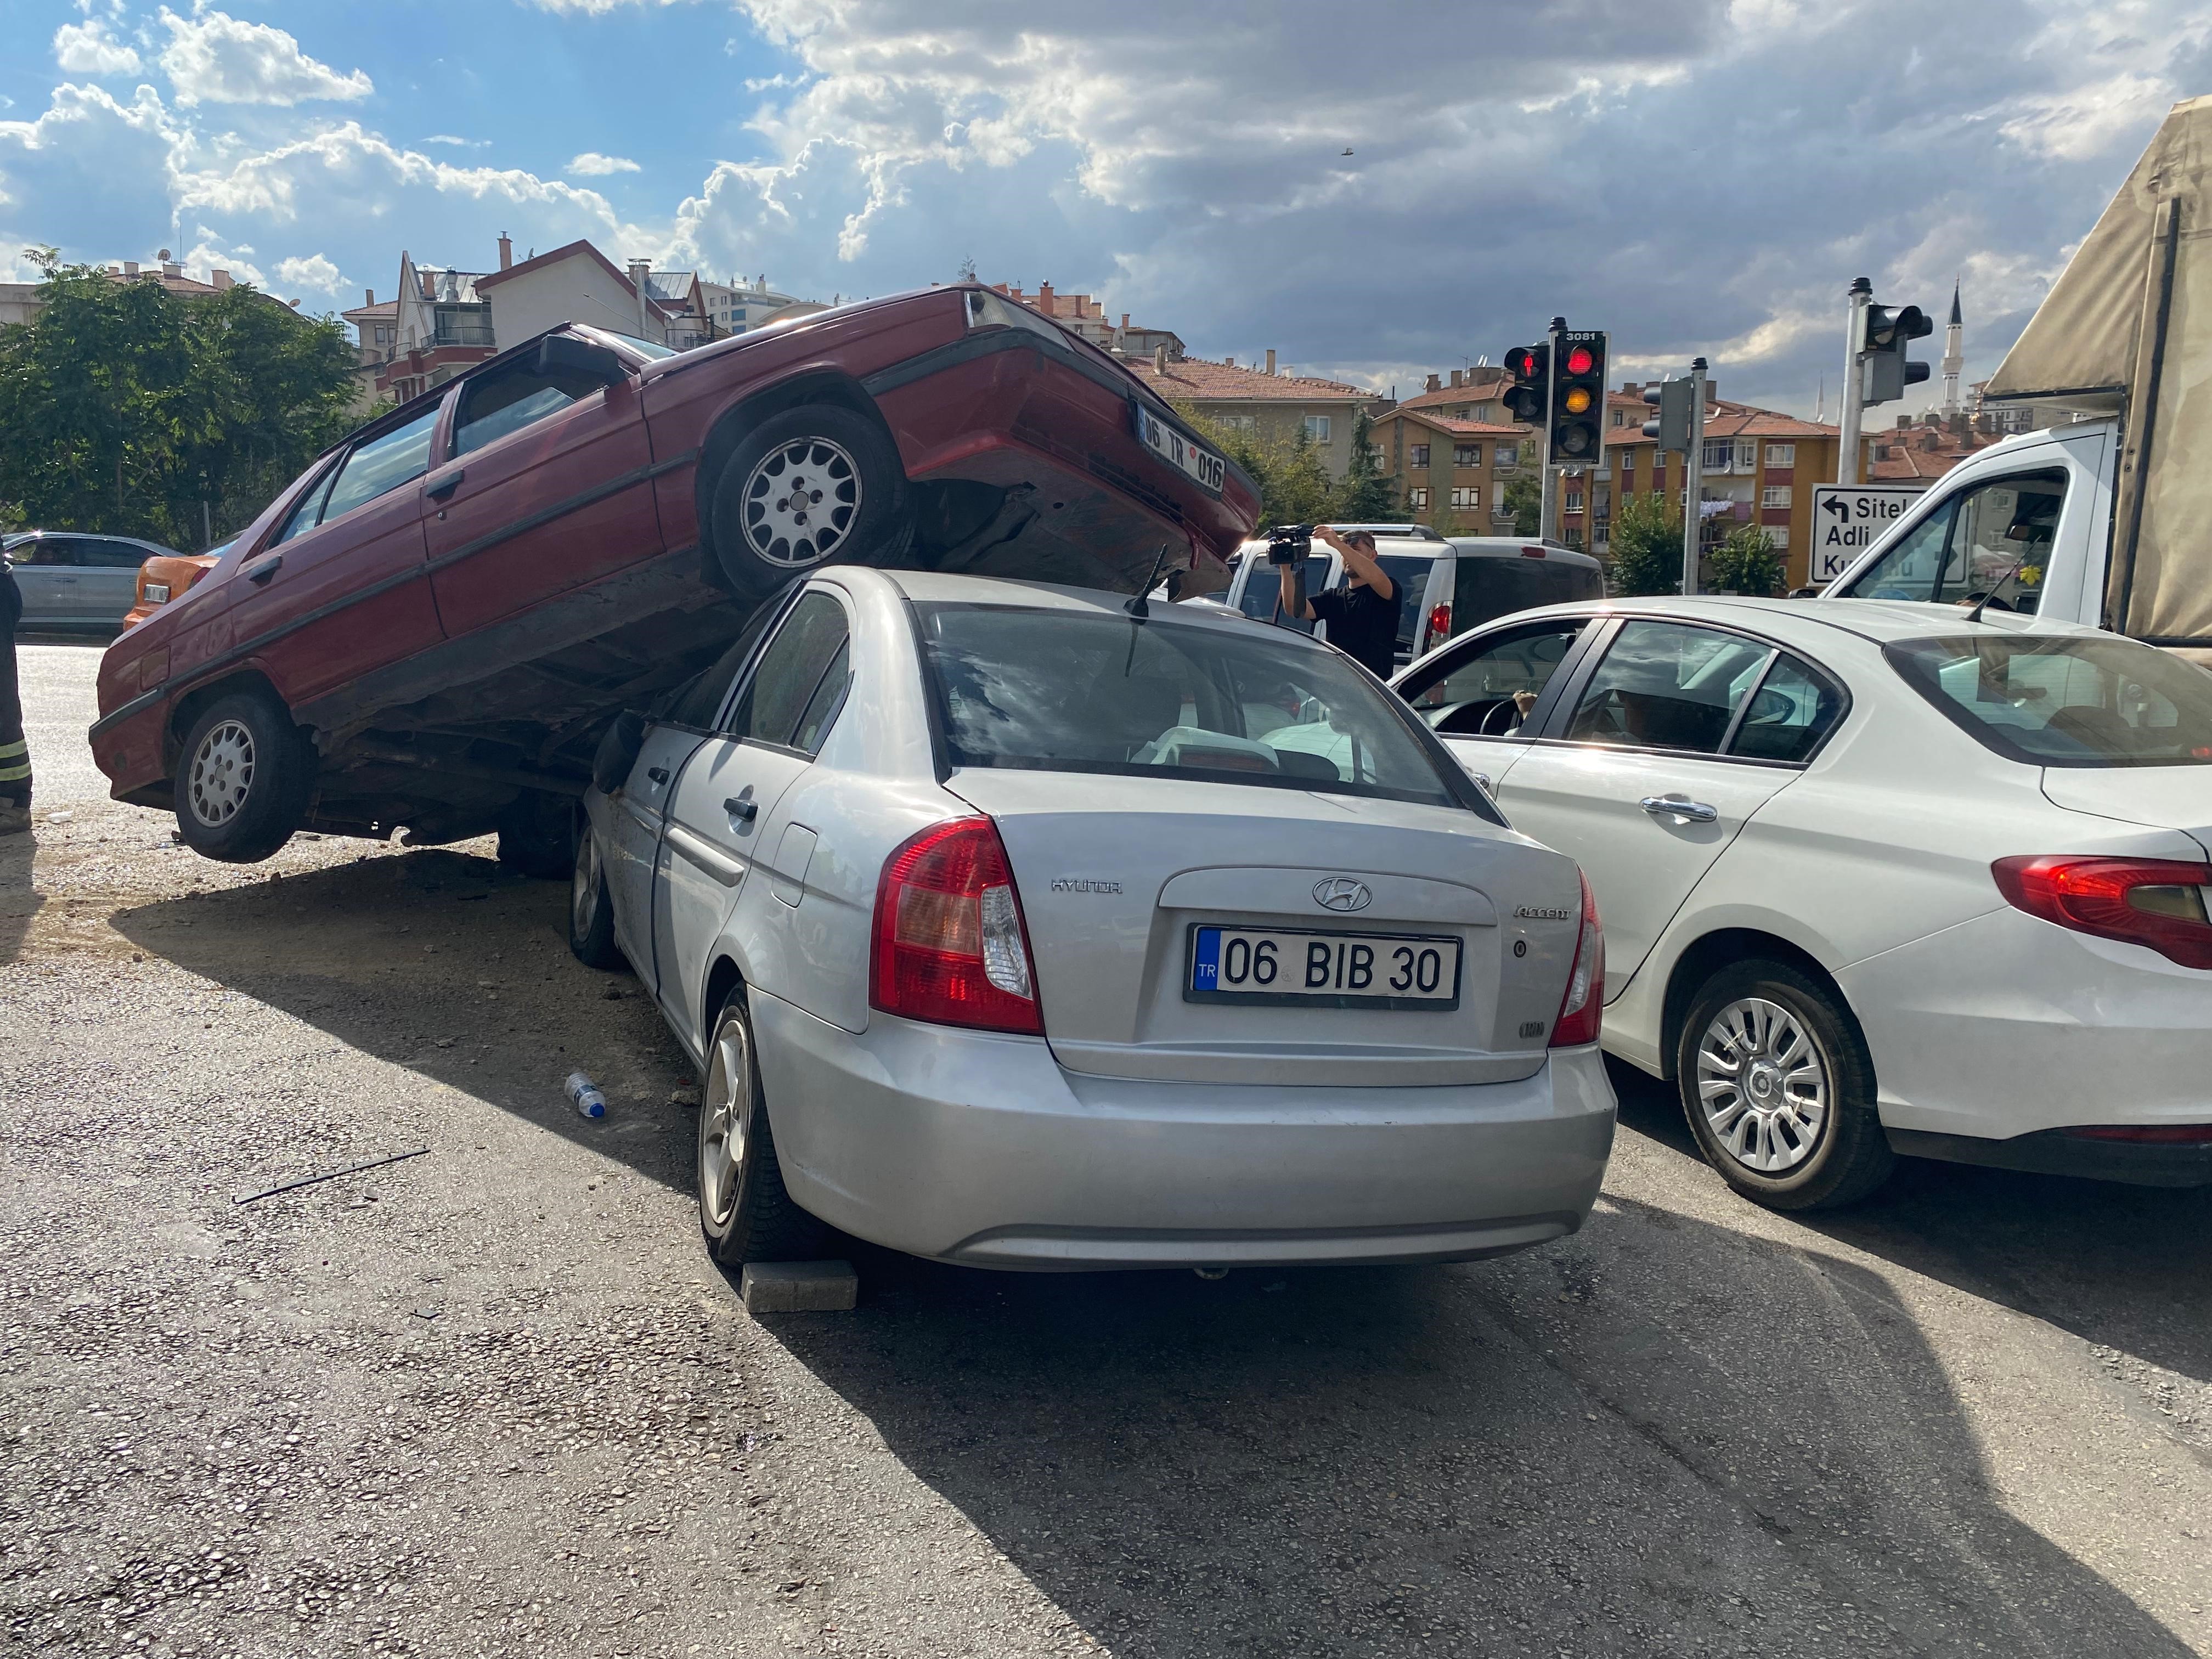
x=1025, y=927
x=1876, y=877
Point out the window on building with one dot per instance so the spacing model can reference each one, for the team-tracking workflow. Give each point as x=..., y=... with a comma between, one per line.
x=1418, y=499
x=1621, y=417
x=1774, y=495
x=1467, y=495
x=1505, y=455
x=1574, y=501
x=1779, y=535
x=1782, y=454
x=1467, y=455
x=1485, y=411
x=1417, y=455
x=1574, y=536
x=1717, y=453
x=1240, y=422
x=1316, y=428
x=1747, y=455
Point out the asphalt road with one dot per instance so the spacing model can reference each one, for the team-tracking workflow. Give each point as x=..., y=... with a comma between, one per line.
x=494, y=1400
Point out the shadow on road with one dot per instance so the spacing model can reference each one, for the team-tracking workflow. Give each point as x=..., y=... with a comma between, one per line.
x=455, y=968
x=19, y=899
x=1661, y=1437
x=2128, y=1268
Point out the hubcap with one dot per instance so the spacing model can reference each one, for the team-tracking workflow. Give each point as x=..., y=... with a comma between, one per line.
x=221, y=774
x=1762, y=1085
x=584, y=886
x=800, y=502
x=725, y=1116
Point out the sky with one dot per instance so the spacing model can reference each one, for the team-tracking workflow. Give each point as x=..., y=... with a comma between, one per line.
x=1697, y=177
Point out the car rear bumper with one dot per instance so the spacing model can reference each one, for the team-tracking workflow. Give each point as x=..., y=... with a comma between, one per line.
x=979, y=1149
x=2007, y=1025
x=2056, y=1152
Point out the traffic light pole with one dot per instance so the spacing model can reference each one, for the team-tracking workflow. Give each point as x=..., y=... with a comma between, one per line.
x=1548, y=516
x=1847, y=448
x=1693, y=478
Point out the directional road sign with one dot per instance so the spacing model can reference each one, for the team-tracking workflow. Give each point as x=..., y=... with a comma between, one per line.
x=1849, y=518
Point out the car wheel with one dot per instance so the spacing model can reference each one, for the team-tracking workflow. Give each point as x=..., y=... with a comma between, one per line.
x=810, y=486
x=743, y=1209
x=591, y=906
x=533, y=835
x=243, y=779
x=1778, y=1087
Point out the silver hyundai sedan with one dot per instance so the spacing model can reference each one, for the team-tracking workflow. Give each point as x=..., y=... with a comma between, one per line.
x=1023, y=926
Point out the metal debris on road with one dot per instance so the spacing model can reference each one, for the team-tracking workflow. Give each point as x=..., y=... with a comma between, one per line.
x=332, y=1174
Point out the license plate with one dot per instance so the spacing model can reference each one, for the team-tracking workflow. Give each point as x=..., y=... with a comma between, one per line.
x=1411, y=971
x=1178, y=452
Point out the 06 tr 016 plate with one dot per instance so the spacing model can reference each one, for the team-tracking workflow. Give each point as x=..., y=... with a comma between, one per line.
x=1302, y=967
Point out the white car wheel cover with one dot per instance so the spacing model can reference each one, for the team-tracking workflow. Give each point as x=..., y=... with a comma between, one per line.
x=1764, y=1085
x=221, y=775
x=800, y=502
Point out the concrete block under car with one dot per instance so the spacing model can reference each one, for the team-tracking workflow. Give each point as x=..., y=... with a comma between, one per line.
x=799, y=1287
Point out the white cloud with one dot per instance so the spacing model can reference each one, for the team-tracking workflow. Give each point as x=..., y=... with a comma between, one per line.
x=593, y=164
x=458, y=143
x=211, y=253
x=214, y=58
x=312, y=272
x=89, y=49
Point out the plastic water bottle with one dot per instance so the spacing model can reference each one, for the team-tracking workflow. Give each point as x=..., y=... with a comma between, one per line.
x=590, y=1102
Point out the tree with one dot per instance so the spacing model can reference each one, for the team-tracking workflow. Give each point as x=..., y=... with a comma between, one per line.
x=1368, y=495
x=124, y=408
x=1646, y=547
x=1524, y=499
x=1746, y=563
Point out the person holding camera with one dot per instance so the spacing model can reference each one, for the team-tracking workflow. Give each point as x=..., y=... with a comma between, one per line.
x=1362, y=614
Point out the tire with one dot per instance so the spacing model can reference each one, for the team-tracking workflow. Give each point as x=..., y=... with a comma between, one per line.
x=856, y=504
x=591, y=906
x=534, y=831
x=244, y=778
x=744, y=1210
x=1797, y=1127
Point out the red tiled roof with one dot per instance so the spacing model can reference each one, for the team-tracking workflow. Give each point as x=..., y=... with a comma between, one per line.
x=1723, y=420
x=1195, y=378
x=1907, y=461
x=1488, y=392
x=1459, y=428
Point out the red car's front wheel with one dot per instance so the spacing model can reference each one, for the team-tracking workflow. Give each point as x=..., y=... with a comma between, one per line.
x=244, y=776
x=815, y=485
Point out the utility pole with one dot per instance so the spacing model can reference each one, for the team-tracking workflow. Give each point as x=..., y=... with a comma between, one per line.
x=1548, y=520
x=1847, y=447
x=1693, y=478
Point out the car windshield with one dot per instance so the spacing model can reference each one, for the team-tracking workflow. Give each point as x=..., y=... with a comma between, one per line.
x=2069, y=701
x=1060, y=690
x=644, y=348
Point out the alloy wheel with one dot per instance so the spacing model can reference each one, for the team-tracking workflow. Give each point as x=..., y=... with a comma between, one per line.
x=726, y=1113
x=222, y=772
x=800, y=501
x=1762, y=1085
x=584, y=887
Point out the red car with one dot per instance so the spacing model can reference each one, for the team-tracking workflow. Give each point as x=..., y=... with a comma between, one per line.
x=431, y=628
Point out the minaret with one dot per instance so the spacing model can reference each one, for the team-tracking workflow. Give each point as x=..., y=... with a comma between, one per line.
x=1953, y=355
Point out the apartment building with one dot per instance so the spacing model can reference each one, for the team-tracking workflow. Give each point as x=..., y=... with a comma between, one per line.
x=1452, y=470
x=1271, y=407
x=1086, y=316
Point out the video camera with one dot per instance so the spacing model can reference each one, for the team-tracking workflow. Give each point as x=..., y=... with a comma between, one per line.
x=1289, y=544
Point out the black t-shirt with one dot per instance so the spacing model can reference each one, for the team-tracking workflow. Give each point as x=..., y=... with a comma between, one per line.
x=1362, y=624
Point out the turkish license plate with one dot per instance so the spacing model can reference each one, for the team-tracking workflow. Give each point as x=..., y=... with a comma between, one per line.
x=1177, y=451
x=1310, y=969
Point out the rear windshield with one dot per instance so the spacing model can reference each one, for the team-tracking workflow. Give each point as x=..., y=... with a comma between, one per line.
x=1486, y=588
x=1409, y=580
x=2068, y=701
x=1091, y=691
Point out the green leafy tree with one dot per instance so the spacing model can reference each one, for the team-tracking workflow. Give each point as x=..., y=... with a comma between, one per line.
x=124, y=408
x=1646, y=549
x=1524, y=499
x=1746, y=562
x=1368, y=495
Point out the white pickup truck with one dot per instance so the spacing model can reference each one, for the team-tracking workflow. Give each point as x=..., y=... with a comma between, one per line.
x=2107, y=520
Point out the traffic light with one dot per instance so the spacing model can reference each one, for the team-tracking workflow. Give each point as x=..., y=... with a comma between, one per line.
x=1577, y=425
x=1887, y=333
x=1672, y=429
x=1529, y=399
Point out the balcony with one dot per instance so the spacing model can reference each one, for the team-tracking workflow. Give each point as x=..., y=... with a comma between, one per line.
x=455, y=328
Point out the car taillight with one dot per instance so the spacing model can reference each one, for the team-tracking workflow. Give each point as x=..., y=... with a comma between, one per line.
x=1582, y=1010
x=1439, y=623
x=951, y=946
x=2156, y=903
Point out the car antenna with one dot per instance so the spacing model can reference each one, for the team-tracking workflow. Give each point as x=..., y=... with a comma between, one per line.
x=1990, y=592
x=1137, y=607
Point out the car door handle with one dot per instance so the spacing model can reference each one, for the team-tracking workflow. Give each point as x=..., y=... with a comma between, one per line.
x=657, y=774
x=446, y=486
x=745, y=812
x=264, y=571
x=1679, y=806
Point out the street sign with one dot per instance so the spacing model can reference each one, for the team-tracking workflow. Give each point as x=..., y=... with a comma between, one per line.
x=1849, y=518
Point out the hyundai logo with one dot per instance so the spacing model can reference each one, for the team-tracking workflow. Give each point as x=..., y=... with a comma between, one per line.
x=1342, y=893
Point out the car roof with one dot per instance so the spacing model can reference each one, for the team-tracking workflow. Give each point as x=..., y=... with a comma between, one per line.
x=1880, y=621
x=930, y=587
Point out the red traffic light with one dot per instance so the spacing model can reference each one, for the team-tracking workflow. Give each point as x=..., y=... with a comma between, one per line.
x=1580, y=361
x=1523, y=363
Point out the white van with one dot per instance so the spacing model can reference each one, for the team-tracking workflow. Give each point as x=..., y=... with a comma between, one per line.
x=1444, y=587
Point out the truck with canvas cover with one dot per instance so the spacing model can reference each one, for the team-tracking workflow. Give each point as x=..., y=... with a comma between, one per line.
x=2104, y=518
x=431, y=628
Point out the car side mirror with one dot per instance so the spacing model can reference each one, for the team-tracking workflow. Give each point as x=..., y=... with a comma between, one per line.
x=617, y=752
x=566, y=354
